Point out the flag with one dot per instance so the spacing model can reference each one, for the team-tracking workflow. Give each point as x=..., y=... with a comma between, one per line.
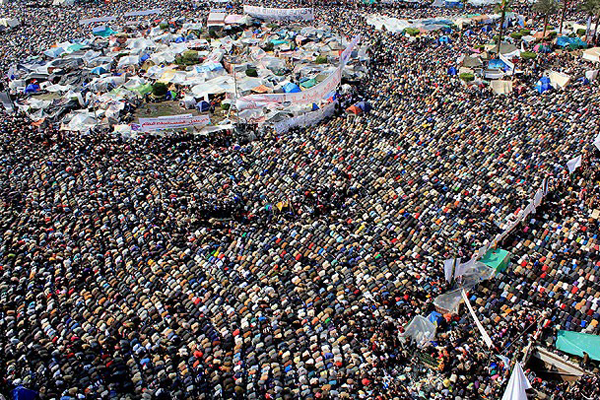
x=484, y=334
x=517, y=385
x=574, y=164
x=597, y=142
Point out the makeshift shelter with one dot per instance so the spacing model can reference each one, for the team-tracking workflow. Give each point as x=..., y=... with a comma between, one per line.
x=98, y=71
x=63, y=3
x=543, y=85
x=353, y=110
x=448, y=303
x=22, y=393
x=592, y=54
x=216, y=19
x=576, y=343
x=496, y=63
x=558, y=80
x=575, y=43
x=102, y=31
x=291, y=88
x=421, y=330
x=501, y=87
x=498, y=259
x=9, y=22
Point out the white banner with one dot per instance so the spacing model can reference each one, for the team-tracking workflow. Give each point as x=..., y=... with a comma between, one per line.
x=143, y=12
x=298, y=14
x=312, y=95
x=484, y=334
x=173, y=122
x=94, y=20
x=307, y=119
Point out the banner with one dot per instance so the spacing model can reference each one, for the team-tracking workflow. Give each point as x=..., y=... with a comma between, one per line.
x=307, y=119
x=313, y=95
x=94, y=20
x=173, y=122
x=298, y=14
x=143, y=12
x=484, y=334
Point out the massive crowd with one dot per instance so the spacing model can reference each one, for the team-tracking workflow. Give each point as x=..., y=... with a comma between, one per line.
x=199, y=267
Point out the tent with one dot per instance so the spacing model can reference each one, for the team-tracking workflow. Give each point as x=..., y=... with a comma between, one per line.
x=501, y=87
x=22, y=393
x=452, y=71
x=496, y=63
x=9, y=22
x=542, y=48
x=99, y=71
x=592, y=54
x=445, y=39
x=32, y=88
x=63, y=3
x=497, y=259
x=558, y=80
x=421, y=330
x=307, y=84
x=291, y=88
x=102, y=31
x=576, y=343
x=452, y=4
x=216, y=19
x=565, y=41
x=543, y=85
x=203, y=106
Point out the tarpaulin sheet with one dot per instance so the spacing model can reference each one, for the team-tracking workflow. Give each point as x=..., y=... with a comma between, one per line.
x=576, y=343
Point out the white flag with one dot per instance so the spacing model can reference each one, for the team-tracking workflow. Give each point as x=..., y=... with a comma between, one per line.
x=484, y=334
x=574, y=164
x=517, y=385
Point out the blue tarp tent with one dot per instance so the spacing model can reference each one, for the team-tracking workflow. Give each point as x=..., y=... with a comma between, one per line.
x=445, y=39
x=99, y=71
x=21, y=393
x=565, y=41
x=543, y=84
x=291, y=88
x=180, y=40
x=452, y=71
x=203, y=106
x=144, y=57
x=497, y=64
x=315, y=107
x=453, y=4
x=32, y=87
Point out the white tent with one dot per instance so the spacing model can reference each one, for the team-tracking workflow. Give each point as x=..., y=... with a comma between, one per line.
x=517, y=385
x=558, y=80
x=592, y=54
x=501, y=87
x=9, y=22
x=63, y=3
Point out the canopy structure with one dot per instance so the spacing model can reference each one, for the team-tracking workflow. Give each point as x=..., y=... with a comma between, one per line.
x=543, y=84
x=421, y=330
x=497, y=259
x=576, y=343
x=592, y=54
x=216, y=19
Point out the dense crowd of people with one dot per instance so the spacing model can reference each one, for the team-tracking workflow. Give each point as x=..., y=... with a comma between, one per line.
x=201, y=267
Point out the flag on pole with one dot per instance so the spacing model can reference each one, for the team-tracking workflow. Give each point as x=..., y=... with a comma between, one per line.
x=484, y=334
x=517, y=385
x=574, y=164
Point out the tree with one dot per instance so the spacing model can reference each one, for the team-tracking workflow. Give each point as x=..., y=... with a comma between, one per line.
x=545, y=8
x=159, y=89
x=502, y=9
x=590, y=8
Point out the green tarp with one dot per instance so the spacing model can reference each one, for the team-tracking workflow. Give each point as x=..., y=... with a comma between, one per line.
x=143, y=89
x=309, y=83
x=497, y=259
x=576, y=343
